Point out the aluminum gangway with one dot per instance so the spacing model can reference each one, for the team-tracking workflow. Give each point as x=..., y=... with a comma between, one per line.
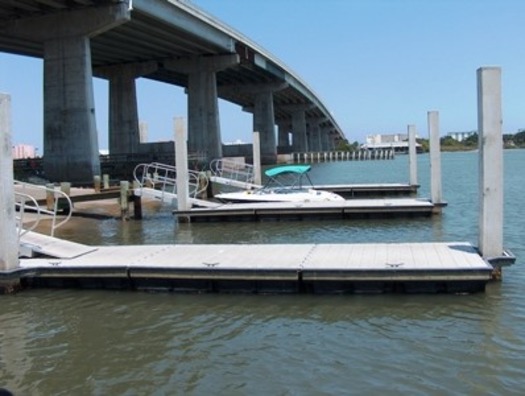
x=233, y=173
x=159, y=181
x=30, y=214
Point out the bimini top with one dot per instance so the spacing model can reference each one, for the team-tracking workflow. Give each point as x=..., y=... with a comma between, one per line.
x=279, y=170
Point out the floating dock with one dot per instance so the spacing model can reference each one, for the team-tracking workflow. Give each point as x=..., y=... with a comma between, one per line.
x=370, y=190
x=349, y=209
x=454, y=267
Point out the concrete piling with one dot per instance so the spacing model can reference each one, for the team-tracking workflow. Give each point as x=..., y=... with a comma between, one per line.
x=412, y=154
x=436, y=194
x=257, y=159
x=8, y=234
x=490, y=162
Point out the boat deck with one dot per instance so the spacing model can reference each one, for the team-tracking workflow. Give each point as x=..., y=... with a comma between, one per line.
x=268, y=268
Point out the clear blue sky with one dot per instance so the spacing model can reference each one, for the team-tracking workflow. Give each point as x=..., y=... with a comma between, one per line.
x=378, y=65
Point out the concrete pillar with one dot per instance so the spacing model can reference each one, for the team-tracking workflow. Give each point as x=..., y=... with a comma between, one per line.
x=264, y=123
x=124, y=133
x=490, y=162
x=9, y=236
x=325, y=138
x=435, y=157
x=412, y=154
x=181, y=163
x=257, y=159
x=299, y=141
x=284, y=134
x=314, y=135
x=70, y=134
x=204, y=133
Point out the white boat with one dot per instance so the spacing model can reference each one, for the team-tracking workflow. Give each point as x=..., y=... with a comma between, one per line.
x=276, y=189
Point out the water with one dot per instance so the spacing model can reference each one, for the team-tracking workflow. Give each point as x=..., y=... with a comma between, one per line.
x=64, y=342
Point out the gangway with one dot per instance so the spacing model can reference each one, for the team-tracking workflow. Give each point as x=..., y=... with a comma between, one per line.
x=159, y=181
x=233, y=173
x=27, y=197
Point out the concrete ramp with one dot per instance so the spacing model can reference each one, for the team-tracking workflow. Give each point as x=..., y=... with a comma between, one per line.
x=33, y=243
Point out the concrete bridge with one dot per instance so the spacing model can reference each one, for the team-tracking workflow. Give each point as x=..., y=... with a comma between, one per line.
x=164, y=40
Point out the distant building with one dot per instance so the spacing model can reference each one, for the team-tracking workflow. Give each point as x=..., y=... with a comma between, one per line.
x=22, y=151
x=460, y=136
x=398, y=142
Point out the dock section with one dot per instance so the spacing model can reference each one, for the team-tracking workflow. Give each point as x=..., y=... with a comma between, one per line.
x=454, y=267
x=349, y=209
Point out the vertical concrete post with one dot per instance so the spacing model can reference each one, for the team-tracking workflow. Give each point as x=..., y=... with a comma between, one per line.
x=264, y=123
x=181, y=163
x=435, y=157
x=124, y=202
x=9, y=236
x=412, y=154
x=490, y=161
x=257, y=159
x=96, y=183
x=105, y=181
x=299, y=131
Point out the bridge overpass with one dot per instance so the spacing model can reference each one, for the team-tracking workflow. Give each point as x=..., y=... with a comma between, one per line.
x=169, y=41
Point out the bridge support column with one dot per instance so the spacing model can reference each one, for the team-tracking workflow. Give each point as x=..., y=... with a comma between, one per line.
x=124, y=134
x=314, y=142
x=264, y=123
x=299, y=139
x=283, y=133
x=325, y=139
x=204, y=132
x=70, y=134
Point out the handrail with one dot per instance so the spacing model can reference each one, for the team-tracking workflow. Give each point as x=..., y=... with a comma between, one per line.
x=234, y=170
x=23, y=207
x=163, y=177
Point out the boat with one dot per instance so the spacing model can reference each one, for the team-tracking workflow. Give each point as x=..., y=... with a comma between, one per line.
x=285, y=184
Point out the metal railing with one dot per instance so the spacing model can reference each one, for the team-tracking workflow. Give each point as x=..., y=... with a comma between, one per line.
x=25, y=202
x=163, y=177
x=233, y=170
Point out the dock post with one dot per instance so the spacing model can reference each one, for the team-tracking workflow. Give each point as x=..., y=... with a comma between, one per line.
x=9, y=239
x=124, y=203
x=412, y=154
x=137, y=201
x=181, y=163
x=490, y=162
x=50, y=196
x=96, y=183
x=257, y=159
x=105, y=181
x=436, y=194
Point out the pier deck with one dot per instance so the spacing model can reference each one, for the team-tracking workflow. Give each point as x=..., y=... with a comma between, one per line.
x=273, y=268
x=354, y=208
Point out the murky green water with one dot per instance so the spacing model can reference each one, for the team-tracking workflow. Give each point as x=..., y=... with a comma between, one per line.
x=65, y=342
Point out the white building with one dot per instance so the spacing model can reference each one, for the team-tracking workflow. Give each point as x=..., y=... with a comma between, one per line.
x=22, y=151
x=460, y=136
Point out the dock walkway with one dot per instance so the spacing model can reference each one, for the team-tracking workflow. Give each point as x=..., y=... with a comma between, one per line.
x=348, y=209
x=269, y=268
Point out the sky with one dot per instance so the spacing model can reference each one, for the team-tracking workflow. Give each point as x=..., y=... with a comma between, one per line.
x=378, y=65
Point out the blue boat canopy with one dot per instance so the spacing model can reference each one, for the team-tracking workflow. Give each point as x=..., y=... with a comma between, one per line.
x=279, y=170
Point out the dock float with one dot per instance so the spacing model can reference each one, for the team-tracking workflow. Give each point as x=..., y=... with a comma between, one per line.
x=453, y=267
x=370, y=190
x=349, y=209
